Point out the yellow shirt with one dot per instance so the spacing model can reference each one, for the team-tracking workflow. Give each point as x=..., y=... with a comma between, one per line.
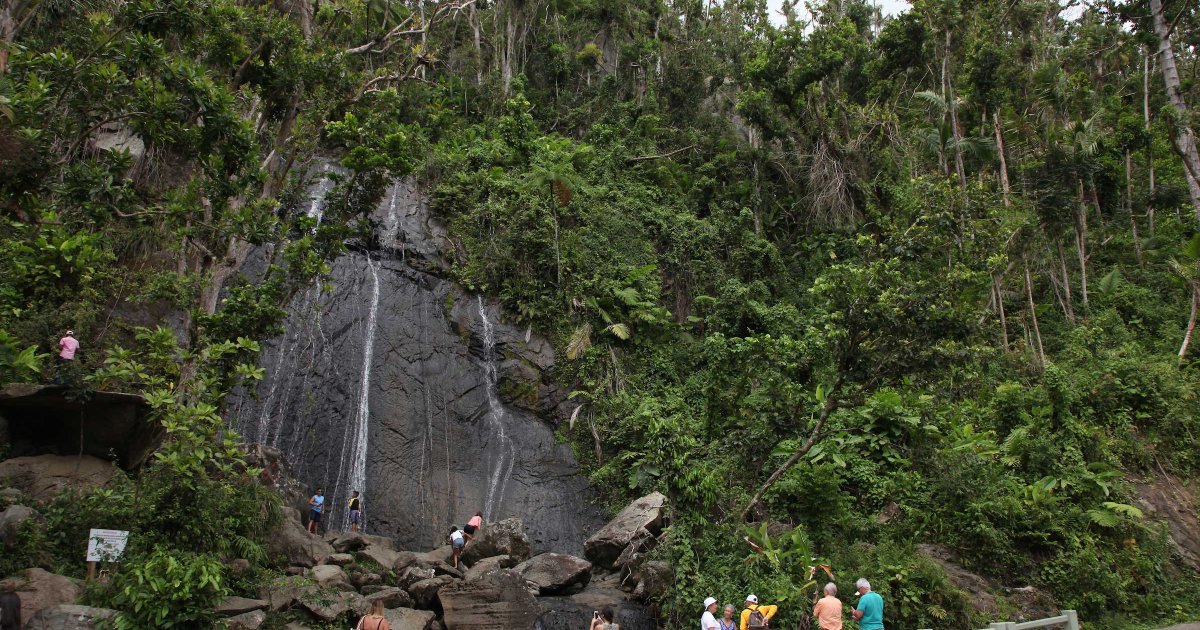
x=828, y=612
x=767, y=613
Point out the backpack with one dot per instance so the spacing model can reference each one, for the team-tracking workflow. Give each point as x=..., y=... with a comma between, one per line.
x=757, y=621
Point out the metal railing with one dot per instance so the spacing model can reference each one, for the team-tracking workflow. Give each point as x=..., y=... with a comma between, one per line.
x=1068, y=619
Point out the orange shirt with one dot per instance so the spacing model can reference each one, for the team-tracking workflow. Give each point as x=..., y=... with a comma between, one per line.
x=828, y=612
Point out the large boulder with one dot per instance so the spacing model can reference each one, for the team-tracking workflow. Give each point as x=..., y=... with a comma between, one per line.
x=339, y=559
x=293, y=542
x=45, y=476
x=345, y=542
x=282, y=592
x=495, y=601
x=605, y=547
x=329, y=575
x=425, y=592
x=575, y=611
x=378, y=555
x=329, y=605
x=69, y=617
x=233, y=605
x=487, y=565
x=653, y=578
x=251, y=620
x=408, y=619
x=13, y=520
x=38, y=589
x=502, y=538
x=392, y=597
x=556, y=573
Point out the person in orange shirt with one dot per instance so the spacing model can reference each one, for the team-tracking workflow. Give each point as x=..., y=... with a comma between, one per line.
x=828, y=610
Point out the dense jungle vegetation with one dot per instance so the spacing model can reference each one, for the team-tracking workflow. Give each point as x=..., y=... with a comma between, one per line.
x=927, y=278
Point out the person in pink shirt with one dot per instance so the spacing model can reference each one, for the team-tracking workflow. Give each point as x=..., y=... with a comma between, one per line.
x=67, y=346
x=473, y=525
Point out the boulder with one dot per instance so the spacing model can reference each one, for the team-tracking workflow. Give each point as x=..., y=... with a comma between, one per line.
x=425, y=592
x=391, y=597
x=329, y=605
x=239, y=566
x=503, y=538
x=338, y=559
x=497, y=600
x=634, y=553
x=231, y=606
x=445, y=554
x=371, y=589
x=404, y=559
x=45, y=476
x=38, y=589
x=108, y=425
x=412, y=575
x=359, y=579
x=409, y=619
x=575, y=611
x=383, y=542
x=487, y=565
x=13, y=519
x=1162, y=499
x=246, y=621
x=69, y=617
x=377, y=555
x=345, y=542
x=329, y=575
x=606, y=546
x=283, y=592
x=292, y=541
x=654, y=579
x=556, y=573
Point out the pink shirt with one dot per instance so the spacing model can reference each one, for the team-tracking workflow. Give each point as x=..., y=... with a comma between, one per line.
x=475, y=521
x=68, y=346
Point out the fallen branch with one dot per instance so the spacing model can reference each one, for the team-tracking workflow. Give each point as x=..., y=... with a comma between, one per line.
x=643, y=158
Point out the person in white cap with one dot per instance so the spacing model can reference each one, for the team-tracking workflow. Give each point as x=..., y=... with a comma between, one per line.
x=756, y=617
x=707, y=620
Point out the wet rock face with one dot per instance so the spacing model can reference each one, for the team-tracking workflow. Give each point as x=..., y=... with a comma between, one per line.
x=441, y=437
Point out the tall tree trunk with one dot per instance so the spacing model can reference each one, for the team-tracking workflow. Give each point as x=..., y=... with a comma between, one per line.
x=1185, y=138
x=510, y=44
x=1081, y=235
x=8, y=32
x=1149, y=142
x=1068, y=305
x=1133, y=224
x=1037, y=333
x=1191, y=326
x=999, y=292
x=1004, y=186
x=475, y=28
x=955, y=132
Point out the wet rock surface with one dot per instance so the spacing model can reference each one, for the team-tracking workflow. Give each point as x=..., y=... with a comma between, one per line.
x=498, y=600
x=440, y=444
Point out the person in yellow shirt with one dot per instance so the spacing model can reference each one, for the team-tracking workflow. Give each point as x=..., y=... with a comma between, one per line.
x=752, y=607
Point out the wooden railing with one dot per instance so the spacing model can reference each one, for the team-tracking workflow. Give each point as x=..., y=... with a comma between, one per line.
x=1068, y=620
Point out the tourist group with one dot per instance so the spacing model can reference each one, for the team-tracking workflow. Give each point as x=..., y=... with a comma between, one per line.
x=827, y=611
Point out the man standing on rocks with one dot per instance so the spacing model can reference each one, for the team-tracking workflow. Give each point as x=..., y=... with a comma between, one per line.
x=316, y=505
x=869, y=611
x=707, y=620
x=355, y=511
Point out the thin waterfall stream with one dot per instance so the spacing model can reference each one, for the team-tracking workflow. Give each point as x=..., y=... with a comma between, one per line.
x=503, y=455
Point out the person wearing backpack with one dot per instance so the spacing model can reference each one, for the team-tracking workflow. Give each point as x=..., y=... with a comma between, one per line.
x=355, y=506
x=755, y=617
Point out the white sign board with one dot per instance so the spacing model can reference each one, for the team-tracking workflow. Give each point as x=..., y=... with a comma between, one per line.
x=106, y=545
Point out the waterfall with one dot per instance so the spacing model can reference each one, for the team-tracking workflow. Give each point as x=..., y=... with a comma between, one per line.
x=316, y=206
x=355, y=443
x=504, y=454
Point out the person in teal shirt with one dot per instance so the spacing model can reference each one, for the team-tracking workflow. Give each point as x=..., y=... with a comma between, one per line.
x=869, y=611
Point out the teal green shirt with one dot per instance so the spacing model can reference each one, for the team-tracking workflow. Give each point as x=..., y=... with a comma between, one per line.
x=871, y=605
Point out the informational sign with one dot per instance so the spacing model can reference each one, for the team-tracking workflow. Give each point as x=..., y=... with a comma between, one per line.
x=106, y=545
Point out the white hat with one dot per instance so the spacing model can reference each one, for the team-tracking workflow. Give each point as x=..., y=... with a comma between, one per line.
x=751, y=598
x=709, y=602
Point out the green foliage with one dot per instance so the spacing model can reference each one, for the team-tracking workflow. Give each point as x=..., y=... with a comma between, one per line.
x=169, y=589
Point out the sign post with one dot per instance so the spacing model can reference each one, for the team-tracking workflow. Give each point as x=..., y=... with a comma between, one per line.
x=105, y=545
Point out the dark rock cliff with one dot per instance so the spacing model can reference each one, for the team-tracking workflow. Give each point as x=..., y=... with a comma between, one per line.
x=398, y=383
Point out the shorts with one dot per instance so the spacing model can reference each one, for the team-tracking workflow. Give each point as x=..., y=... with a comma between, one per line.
x=314, y=516
x=469, y=529
x=356, y=516
x=458, y=544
